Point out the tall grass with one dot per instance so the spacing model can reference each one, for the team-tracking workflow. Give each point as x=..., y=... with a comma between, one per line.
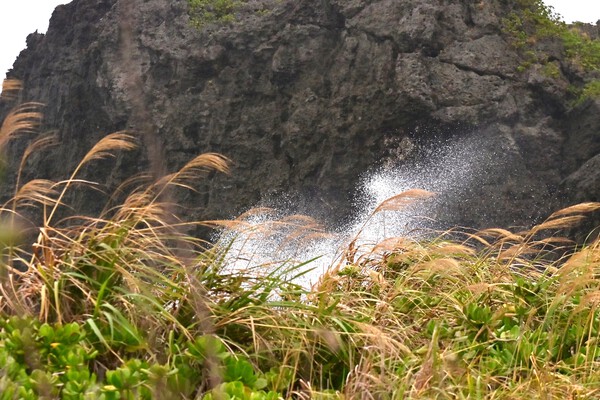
x=127, y=305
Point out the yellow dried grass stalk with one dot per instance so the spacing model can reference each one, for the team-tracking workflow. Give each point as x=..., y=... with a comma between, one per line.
x=423, y=377
x=515, y=251
x=233, y=225
x=136, y=183
x=403, y=199
x=135, y=201
x=591, y=299
x=392, y=245
x=37, y=145
x=479, y=239
x=444, y=266
x=105, y=147
x=557, y=223
x=579, y=270
x=581, y=208
x=199, y=165
x=207, y=162
x=454, y=250
x=24, y=119
x=479, y=287
x=377, y=277
x=406, y=257
x=327, y=283
x=39, y=191
x=141, y=206
x=256, y=211
x=304, y=234
x=10, y=88
x=501, y=234
x=299, y=220
x=102, y=149
x=555, y=241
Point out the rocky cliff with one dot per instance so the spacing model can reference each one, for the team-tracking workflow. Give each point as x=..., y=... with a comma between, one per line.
x=305, y=96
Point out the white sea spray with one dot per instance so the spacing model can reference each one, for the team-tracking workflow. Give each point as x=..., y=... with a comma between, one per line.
x=448, y=169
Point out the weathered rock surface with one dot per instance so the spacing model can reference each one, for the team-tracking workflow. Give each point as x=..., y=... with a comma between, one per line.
x=306, y=98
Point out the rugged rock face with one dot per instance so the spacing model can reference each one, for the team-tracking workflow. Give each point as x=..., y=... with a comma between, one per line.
x=309, y=96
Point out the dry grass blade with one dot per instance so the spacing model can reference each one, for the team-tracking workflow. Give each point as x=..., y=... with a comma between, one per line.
x=135, y=197
x=516, y=251
x=478, y=239
x=136, y=200
x=11, y=85
x=207, y=162
x=403, y=199
x=24, y=119
x=391, y=245
x=584, y=259
x=479, y=287
x=558, y=223
x=301, y=220
x=37, y=191
x=101, y=150
x=299, y=228
x=11, y=296
x=233, y=225
x=577, y=209
x=201, y=164
x=589, y=300
x=38, y=145
x=132, y=187
x=264, y=222
x=256, y=211
x=377, y=277
x=501, y=234
x=140, y=206
x=556, y=241
x=35, y=146
x=108, y=144
x=444, y=266
x=10, y=88
x=578, y=271
x=454, y=250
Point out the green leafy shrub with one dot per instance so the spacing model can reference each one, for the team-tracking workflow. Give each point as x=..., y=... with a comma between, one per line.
x=533, y=21
x=204, y=12
x=42, y=359
x=591, y=90
x=220, y=12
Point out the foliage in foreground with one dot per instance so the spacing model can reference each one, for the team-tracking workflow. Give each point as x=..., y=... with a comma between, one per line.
x=126, y=305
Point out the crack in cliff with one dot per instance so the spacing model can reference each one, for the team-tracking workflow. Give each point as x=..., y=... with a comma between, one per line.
x=140, y=118
x=477, y=71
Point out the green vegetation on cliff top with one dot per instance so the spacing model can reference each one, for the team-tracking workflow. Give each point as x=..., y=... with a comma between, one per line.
x=204, y=12
x=532, y=22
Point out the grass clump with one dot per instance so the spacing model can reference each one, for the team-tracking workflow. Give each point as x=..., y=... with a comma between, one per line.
x=532, y=22
x=591, y=90
x=127, y=305
x=220, y=12
x=204, y=12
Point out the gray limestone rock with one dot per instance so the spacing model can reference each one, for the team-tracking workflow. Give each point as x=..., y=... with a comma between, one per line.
x=306, y=98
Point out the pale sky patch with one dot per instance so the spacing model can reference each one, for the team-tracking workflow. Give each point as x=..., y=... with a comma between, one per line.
x=577, y=10
x=19, y=19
